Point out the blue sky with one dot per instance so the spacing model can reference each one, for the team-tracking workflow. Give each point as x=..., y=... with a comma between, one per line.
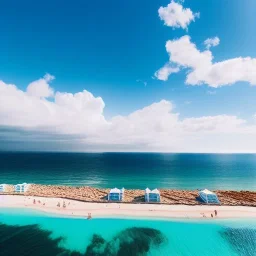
x=111, y=48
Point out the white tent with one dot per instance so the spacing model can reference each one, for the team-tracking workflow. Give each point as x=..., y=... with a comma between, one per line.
x=152, y=195
x=2, y=187
x=21, y=188
x=116, y=194
x=209, y=197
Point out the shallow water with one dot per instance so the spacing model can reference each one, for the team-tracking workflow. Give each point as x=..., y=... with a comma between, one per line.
x=131, y=170
x=77, y=236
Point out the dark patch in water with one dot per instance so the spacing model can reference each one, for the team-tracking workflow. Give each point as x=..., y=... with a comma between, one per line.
x=243, y=240
x=31, y=240
x=97, y=246
x=131, y=241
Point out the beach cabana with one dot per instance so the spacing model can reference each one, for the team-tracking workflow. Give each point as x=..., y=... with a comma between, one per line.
x=21, y=188
x=152, y=195
x=2, y=187
x=116, y=194
x=209, y=197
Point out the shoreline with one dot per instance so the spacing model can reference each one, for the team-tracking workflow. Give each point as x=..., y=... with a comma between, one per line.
x=80, y=209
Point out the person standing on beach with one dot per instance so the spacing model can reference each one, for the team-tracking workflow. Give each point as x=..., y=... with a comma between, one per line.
x=215, y=211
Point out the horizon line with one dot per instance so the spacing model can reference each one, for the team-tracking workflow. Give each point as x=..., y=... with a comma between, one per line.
x=124, y=152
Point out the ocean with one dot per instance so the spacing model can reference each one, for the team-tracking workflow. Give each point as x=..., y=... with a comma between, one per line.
x=131, y=170
x=26, y=232
x=30, y=232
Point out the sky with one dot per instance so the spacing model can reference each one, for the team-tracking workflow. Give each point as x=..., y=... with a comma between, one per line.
x=161, y=76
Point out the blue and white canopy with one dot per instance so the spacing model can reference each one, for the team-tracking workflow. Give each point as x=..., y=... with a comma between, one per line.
x=152, y=195
x=21, y=188
x=2, y=187
x=209, y=197
x=116, y=194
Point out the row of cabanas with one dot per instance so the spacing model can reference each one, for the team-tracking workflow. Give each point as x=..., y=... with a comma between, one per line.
x=206, y=195
x=19, y=188
x=116, y=194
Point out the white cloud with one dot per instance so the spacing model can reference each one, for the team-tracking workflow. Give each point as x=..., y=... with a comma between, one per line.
x=164, y=72
x=174, y=15
x=201, y=68
x=211, y=42
x=41, y=87
x=211, y=92
x=78, y=121
x=68, y=113
x=221, y=123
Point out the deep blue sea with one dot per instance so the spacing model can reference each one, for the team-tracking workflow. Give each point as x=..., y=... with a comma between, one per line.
x=131, y=170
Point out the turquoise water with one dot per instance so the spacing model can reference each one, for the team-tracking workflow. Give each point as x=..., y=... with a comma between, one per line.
x=131, y=170
x=127, y=236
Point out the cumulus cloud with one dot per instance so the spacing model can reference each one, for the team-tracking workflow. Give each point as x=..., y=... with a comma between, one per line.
x=77, y=122
x=220, y=123
x=201, y=68
x=174, y=15
x=68, y=113
x=164, y=72
x=41, y=87
x=209, y=42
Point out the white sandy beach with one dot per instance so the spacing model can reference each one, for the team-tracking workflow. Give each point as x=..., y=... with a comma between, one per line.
x=120, y=210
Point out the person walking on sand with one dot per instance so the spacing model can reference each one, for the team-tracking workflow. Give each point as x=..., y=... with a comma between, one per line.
x=211, y=215
x=64, y=204
x=34, y=201
x=215, y=211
